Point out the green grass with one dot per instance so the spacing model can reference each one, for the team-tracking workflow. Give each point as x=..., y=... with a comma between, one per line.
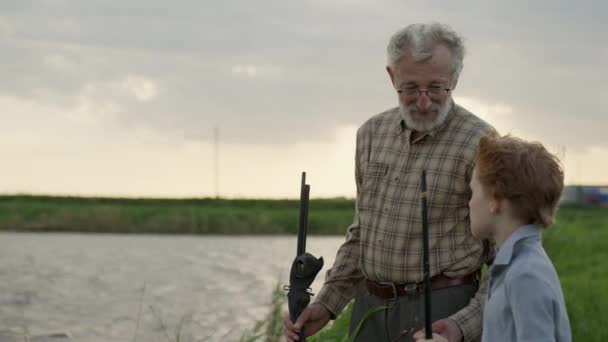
x=578, y=246
x=269, y=329
x=179, y=216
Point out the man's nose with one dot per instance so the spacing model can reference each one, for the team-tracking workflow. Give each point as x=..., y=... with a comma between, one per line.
x=423, y=102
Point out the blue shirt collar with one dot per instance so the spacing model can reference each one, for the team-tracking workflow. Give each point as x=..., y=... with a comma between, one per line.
x=505, y=252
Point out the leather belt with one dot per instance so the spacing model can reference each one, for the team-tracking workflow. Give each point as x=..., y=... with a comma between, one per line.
x=388, y=290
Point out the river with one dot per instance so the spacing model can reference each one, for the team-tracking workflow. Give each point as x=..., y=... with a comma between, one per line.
x=101, y=287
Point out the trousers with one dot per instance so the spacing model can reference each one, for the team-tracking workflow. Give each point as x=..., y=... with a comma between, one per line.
x=404, y=315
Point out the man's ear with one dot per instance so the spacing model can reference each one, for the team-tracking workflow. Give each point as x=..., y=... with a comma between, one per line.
x=454, y=82
x=391, y=75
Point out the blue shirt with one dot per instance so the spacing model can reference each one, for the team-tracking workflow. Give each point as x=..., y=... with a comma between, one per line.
x=525, y=300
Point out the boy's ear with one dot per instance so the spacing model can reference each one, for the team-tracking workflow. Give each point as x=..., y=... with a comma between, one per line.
x=496, y=205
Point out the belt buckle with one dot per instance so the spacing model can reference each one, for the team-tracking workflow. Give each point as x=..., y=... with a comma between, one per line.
x=410, y=289
x=392, y=286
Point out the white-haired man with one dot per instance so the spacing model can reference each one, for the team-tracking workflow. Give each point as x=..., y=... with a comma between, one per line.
x=380, y=263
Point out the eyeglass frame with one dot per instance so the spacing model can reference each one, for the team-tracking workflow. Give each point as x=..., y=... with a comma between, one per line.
x=429, y=92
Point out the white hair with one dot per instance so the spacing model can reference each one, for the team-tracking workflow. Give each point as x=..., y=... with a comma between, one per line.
x=441, y=114
x=419, y=40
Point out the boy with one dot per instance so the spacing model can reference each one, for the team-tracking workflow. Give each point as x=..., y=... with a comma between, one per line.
x=516, y=187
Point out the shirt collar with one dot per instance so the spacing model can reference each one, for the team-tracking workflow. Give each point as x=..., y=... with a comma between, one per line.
x=505, y=252
x=398, y=125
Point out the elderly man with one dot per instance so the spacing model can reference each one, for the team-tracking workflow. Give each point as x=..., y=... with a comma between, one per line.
x=380, y=263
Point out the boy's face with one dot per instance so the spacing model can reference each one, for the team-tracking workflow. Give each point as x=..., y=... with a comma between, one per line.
x=482, y=217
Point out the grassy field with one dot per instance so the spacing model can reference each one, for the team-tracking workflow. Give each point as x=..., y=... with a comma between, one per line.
x=578, y=246
x=182, y=216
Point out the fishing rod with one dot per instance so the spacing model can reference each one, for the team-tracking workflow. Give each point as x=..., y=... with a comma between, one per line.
x=305, y=266
x=426, y=264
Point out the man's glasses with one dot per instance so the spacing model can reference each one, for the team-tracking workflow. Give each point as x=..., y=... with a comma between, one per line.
x=432, y=92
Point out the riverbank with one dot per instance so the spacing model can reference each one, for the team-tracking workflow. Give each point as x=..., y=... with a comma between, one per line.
x=189, y=216
x=170, y=216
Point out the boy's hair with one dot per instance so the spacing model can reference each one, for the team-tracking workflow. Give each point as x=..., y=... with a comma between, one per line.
x=524, y=173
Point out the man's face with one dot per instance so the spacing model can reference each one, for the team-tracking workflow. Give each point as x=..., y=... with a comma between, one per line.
x=482, y=217
x=426, y=110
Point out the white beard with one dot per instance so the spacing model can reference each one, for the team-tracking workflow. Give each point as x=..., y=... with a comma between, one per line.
x=425, y=125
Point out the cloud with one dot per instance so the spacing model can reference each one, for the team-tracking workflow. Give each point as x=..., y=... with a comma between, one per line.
x=498, y=115
x=255, y=71
x=58, y=62
x=143, y=89
x=248, y=70
x=287, y=72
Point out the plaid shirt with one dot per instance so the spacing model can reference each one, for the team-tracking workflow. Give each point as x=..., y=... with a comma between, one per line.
x=384, y=243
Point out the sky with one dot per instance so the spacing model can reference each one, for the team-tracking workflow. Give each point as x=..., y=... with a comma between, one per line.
x=122, y=98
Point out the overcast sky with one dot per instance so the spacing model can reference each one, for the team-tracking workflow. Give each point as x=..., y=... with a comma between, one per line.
x=120, y=98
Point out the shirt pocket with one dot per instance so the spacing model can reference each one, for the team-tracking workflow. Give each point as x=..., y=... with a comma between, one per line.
x=374, y=177
x=446, y=190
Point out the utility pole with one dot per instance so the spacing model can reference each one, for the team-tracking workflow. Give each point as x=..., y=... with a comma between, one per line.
x=216, y=155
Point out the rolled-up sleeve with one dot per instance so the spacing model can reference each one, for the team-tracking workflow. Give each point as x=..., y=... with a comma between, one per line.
x=341, y=279
x=470, y=317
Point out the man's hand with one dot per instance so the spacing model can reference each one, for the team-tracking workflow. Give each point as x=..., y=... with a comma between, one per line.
x=419, y=337
x=444, y=328
x=313, y=318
